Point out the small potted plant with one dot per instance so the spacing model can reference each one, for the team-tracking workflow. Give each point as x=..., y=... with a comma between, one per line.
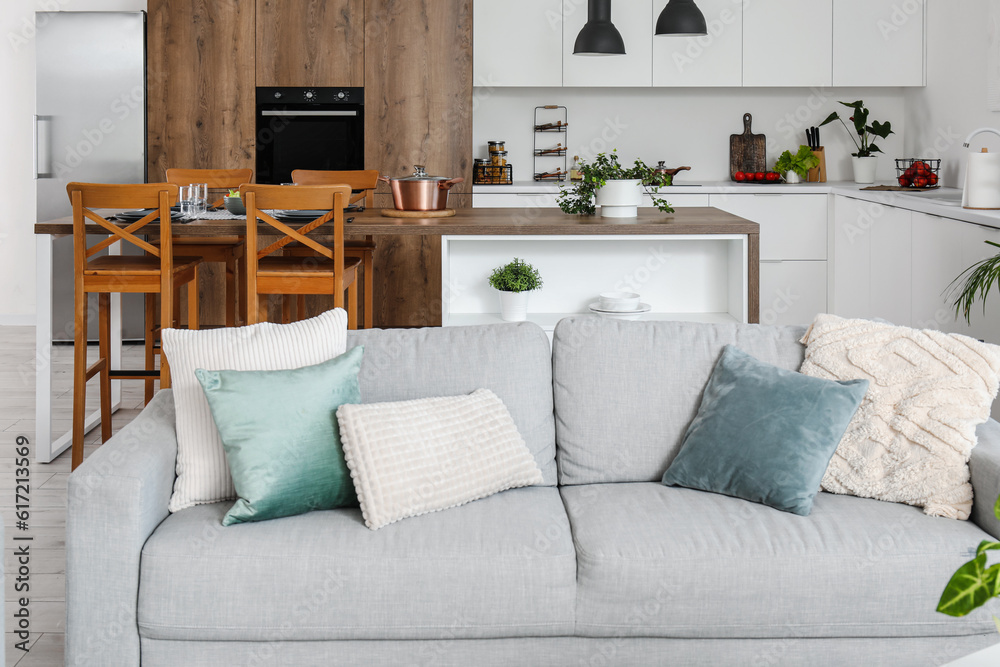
x=616, y=189
x=865, y=162
x=234, y=203
x=514, y=281
x=795, y=168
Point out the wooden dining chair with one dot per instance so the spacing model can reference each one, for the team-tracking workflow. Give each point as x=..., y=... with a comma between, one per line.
x=325, y=271
x=363, y=183
x=156, y=272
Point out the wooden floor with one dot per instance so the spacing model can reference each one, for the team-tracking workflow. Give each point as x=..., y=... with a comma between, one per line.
x=47, y=524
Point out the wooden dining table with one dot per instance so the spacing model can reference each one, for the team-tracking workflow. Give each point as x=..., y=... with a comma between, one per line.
x=543, y=224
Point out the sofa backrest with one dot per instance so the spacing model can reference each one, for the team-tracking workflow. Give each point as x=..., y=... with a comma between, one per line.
x=512, y=360
x=625, y=392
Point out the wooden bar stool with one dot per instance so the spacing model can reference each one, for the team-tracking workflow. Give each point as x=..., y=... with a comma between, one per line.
x=157, y=272
x=326, y=271
x=363, y=182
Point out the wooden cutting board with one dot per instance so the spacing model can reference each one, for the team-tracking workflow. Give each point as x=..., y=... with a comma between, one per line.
x=747, y=151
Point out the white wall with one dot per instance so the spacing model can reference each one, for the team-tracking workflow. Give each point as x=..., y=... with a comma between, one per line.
x=683, y=126
x=17, y=188
x=940, y=116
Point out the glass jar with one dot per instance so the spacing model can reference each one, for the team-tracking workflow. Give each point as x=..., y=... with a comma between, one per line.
x=499, y=158
x=496, y=147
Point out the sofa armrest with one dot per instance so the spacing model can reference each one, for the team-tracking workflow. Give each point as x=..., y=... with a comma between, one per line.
x=985, y=468
x=116, y=498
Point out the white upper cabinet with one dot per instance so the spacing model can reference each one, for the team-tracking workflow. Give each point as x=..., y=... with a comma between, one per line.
x=631, y=17
x=878, y=43
x=788, y=43
x=518, y=43
x=713, y=60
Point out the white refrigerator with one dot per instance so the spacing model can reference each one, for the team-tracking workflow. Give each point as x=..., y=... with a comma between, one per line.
x=90, y=126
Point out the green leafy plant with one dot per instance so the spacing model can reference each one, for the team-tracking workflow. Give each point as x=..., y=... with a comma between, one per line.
x=234, y=193
x=974, y=584
x=865, y=132
x=979, y=281
x=580, y=198
x=518, y=276
x=800, y=163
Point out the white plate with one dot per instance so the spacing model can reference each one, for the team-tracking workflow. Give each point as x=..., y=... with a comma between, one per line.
x=643, y=308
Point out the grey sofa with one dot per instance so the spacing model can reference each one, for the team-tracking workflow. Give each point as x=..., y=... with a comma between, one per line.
x=600, y=565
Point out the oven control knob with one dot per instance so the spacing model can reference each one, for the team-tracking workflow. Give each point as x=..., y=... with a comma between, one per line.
x=310, y=95
x=277, y=95
x=341, y=95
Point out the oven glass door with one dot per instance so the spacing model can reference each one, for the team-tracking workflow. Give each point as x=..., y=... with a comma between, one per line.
x=319, y=137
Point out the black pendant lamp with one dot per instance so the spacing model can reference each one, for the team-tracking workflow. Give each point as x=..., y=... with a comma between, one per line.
x=599, y=37
x=681, y=18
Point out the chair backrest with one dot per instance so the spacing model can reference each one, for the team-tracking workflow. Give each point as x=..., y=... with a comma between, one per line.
x=217, y=179
x=86, y=197
x=329, y=198
x=365, y=180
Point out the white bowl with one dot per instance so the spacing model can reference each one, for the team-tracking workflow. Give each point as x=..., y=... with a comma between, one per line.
x=619, y=302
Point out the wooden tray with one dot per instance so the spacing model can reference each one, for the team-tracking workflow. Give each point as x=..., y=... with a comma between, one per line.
x=394, y=213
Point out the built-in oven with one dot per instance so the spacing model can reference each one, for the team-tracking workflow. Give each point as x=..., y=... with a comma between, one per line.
x=309, y=128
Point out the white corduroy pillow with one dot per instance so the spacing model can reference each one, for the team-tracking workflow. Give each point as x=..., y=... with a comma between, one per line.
x=202, y=472
x=414, y=457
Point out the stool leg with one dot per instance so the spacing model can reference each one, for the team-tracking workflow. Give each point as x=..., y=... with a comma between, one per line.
x=79, y=372
x=232, y=295
x=194, y=295
x=369, y=289
x=104, y=343
x=175, y=311
x=352, y=303
x=150, y=343
x=241, y=276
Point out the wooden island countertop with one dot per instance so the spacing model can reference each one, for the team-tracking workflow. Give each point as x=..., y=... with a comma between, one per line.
x=484, y=222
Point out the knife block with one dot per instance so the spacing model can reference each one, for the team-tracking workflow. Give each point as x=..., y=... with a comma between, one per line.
x=818, y=174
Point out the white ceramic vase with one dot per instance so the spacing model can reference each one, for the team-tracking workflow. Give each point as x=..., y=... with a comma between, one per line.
x=620, y=199
x=514, y=306
x=864, y=169
x=792, y=177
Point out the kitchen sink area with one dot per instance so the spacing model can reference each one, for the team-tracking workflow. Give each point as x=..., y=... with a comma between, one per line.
x=945, y=196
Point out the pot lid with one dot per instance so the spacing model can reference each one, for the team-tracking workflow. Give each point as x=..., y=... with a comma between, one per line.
x=420, y=174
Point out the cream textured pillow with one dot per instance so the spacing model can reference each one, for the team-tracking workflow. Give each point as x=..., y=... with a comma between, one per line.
x=414, y=457
x=202, y=472
x=911, y=439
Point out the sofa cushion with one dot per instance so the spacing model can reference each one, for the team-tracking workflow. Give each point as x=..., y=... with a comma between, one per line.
x=511, y=360
x=656, y=561
x=499, y=567
x=625, y=392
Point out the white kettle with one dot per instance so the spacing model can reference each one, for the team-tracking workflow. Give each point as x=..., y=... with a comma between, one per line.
x=982, y=177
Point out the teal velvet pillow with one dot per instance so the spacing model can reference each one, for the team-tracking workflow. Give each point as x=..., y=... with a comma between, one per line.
x=764, y=434
x=282, y=438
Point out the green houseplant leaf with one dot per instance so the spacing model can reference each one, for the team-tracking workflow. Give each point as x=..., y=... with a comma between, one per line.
x=862, y=129
x=972, y=585
x=579, y=199
x=517, y=276
x=979, y=280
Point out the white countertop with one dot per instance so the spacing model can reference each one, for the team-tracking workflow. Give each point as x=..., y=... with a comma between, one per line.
x=909, y=201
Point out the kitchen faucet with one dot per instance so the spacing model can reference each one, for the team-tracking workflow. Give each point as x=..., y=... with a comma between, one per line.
x=968, y=139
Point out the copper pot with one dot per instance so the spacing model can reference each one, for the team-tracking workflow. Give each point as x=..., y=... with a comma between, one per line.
x=421, y=192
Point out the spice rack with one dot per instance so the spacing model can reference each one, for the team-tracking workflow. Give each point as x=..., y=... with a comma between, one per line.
x=550, y=144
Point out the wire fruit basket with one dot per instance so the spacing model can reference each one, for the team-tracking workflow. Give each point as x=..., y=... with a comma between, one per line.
x=918, y=172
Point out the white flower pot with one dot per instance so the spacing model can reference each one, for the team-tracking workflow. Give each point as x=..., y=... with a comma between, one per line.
x=620, y=199
x=864, y=169
x=514, y=306
x=792, y=177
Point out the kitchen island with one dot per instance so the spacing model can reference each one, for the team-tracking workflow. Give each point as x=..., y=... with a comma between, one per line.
x=698, y=264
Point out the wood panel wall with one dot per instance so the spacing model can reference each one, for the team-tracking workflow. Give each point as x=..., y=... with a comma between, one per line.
x=201, y=101
x=310, y=43
x=418, y=110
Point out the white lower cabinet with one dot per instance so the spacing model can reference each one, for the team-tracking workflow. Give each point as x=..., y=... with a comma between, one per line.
x=792, y=292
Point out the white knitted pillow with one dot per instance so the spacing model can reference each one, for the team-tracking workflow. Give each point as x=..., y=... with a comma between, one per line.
x=414, y=457
x=911, y=439
x=202, y=472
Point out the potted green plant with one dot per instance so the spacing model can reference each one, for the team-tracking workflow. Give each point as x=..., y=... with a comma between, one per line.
x=979, y=280
x=865, y=160
x=514, y=281
x=616, y=189
x=795, y=168
x=974, y=584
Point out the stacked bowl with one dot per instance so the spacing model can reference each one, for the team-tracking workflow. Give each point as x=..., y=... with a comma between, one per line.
x=620, y=306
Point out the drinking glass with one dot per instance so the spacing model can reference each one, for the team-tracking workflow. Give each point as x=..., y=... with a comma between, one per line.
x=201, y=197
x=189, y=201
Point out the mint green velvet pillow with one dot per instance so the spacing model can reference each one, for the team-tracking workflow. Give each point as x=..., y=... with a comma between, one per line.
x=764, y=434
x=282, y=438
